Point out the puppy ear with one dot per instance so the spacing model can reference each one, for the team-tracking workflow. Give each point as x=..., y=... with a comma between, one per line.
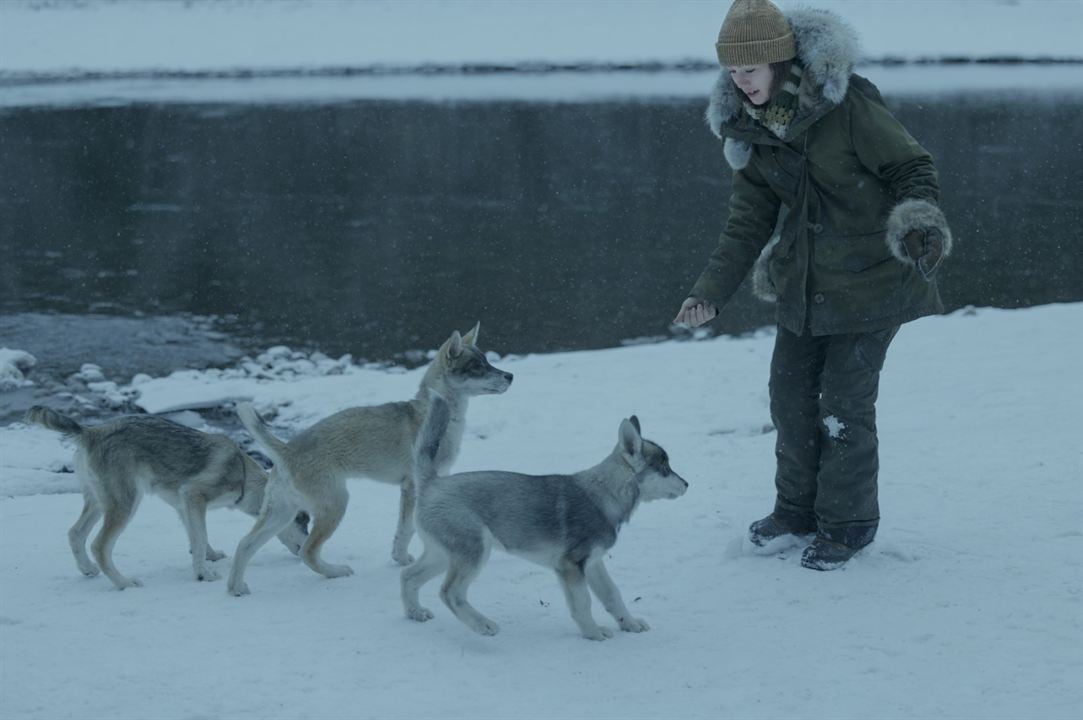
x=471, y=338
x=453, y=348
x=635, y=421
x=631, y=442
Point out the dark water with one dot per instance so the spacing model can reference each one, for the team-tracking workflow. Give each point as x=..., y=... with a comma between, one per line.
x=377, y=227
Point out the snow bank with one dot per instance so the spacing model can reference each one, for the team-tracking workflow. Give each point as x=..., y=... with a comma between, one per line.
x=925, y=80
x=13, y=367
x=194, y=390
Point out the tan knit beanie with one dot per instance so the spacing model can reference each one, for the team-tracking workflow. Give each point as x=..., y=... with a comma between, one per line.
x=754, y=33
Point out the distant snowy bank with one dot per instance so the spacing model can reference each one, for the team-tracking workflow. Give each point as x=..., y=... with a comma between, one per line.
x=947, y=81
x=100, y=52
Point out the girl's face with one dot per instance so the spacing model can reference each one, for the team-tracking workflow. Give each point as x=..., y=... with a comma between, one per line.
x=754, y=81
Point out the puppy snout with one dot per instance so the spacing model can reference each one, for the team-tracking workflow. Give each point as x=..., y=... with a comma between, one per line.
x=681, y=489
x=509, y=377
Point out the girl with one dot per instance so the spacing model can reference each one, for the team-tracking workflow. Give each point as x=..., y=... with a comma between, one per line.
x=835, y=206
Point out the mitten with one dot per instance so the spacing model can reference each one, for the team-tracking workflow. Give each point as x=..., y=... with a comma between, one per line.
x=918, y=235
x=926, y=249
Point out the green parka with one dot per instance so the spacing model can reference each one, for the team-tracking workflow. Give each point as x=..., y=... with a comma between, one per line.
x=821, y=212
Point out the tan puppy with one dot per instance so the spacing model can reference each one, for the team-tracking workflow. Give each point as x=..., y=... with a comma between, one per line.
x=374, y=442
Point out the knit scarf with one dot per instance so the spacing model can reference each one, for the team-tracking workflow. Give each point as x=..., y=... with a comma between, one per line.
x=780, y=111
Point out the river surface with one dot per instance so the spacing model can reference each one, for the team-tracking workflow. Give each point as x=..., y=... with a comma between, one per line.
x=152, y=235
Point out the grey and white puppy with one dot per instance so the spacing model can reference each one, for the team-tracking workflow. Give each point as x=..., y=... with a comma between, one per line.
x=375, y=442
x=564, y=522
x=121, y=460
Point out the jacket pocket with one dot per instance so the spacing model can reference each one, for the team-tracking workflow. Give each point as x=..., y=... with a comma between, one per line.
x=852, y=253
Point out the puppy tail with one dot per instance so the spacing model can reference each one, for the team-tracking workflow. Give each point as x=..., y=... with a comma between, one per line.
x=46, y=417
x=253, y=423
x=433, y=428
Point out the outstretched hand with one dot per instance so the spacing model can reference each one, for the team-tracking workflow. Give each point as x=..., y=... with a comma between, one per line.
x=694, y=312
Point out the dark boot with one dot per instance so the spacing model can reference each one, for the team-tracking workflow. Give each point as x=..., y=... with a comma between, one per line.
x=833, y=548
x=779, y=523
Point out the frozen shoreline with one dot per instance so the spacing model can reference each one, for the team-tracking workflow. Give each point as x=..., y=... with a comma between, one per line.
x=932, y=81
x=298, y=388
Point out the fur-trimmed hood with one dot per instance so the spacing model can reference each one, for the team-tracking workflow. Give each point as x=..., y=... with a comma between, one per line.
x=827, y=48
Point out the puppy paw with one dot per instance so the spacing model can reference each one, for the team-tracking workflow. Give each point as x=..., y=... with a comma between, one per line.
x=631, y=624
x=420, y=614
x=128, y=583
x=487, y=627
x=238, y=589
x=598, y=633
x=213, y=555
x=403, y=558
x=337, y=571
x=90, y=570
x=207, y=575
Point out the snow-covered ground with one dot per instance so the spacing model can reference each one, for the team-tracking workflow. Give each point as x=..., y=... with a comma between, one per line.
x=968, y=605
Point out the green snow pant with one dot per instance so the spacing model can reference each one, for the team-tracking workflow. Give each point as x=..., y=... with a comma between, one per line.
x=823, y=403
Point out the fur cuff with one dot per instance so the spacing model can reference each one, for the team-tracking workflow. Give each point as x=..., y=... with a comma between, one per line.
x=762, y=287
x=737, y=153
x=915, y=215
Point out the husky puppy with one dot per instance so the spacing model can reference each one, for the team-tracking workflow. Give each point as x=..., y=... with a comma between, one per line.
x=564, y=522
x=118, y=461
x=376, y=442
